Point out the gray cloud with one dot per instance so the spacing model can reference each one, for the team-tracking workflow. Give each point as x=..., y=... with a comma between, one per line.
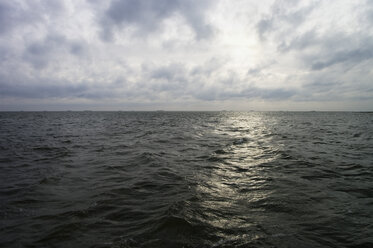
x=179, y=80
x=15, y=14
x=259, y=69
x=332, y=54
x=12, y=15
x=7, y=16
x=331, y=49
x=170, y=72
x=40, y=53
x=22, y=86
x=263, y=26
x=300, y=42
x=147, y=16
x=352, y=57
x=368, y=7
x=41, y=88
x=325, y=87
x=284, y=17
x=250, y=92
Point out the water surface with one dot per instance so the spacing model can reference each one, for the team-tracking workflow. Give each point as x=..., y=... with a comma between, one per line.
x=186, y=179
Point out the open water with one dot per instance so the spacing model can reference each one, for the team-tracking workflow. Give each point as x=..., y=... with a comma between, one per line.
x=186, y=179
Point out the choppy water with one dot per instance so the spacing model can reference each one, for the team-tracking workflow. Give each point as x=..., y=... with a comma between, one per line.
x=186, y=179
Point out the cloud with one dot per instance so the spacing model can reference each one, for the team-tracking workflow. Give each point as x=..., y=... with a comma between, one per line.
x=147, y=16
x=7, y=16
x=40, y=53
x=300, y=42
x=17, y=14
x=13, y=15
x=354, y=56
x=322, y=51
x=285, y=16
x=350, y=57
x=193, y=82
x=177, y=51
x=327, y=53
x=248, y=93
x=40, y=88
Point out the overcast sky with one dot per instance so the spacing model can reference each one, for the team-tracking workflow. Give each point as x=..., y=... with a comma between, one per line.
x=186, y=55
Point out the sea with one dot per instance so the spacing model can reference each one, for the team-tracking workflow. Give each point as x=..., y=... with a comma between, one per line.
x=186, y=179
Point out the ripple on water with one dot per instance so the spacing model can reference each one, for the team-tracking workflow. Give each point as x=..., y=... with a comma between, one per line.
x=186, y=179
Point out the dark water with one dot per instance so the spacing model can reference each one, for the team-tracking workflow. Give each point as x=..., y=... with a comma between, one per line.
x=186, y=179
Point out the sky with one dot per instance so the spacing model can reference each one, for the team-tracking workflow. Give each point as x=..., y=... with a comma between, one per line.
x=186, y=55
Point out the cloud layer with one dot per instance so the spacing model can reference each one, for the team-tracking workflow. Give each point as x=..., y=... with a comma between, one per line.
x=186, y=55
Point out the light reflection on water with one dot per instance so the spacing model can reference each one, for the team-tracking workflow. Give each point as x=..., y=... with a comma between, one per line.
x=238, y=179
